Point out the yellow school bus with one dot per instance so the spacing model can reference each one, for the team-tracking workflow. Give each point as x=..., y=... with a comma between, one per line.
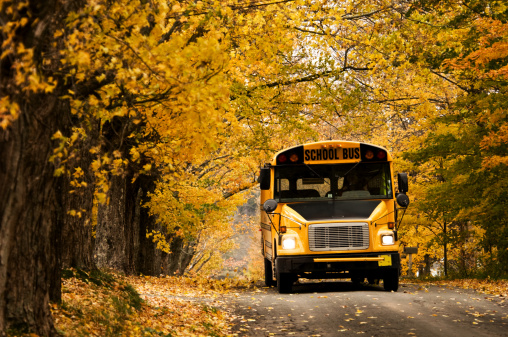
x=329, y=210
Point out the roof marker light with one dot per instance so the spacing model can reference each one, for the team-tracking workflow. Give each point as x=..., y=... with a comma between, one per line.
x=381, y=154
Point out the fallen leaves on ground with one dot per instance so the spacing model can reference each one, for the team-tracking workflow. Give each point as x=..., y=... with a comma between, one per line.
x=104, y=304
x=486, y=286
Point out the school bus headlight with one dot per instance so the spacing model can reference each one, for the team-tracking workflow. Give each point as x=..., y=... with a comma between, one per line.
x=387, y=240
x=289, y=242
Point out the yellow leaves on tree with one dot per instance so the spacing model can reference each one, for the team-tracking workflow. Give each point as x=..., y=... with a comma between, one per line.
x=27, y=78
x=492, y=46
x=198, y=93
x=197, y=203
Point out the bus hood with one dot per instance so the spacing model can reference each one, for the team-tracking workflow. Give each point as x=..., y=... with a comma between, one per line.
x=335, y=210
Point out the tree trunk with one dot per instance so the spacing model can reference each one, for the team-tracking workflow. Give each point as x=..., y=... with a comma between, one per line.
x=29, y=263
x=428, y=264
x=77, y=240
x=110, y=245
x=149, y=258
x=31, y=221
x=445, y=250
x=122, y=224
x=180, y=257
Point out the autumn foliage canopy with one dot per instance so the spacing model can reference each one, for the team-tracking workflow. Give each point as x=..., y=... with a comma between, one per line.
x=129, y=130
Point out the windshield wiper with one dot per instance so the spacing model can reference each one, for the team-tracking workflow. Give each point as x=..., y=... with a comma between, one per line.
x=351, y=169
x=317, y=174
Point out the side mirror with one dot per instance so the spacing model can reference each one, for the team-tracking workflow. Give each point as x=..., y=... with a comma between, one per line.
x=270, y=205
x=264, y=179
x=403, y=184
x=402, y=200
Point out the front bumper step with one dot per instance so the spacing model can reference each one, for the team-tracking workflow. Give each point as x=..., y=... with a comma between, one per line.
x=349, y=259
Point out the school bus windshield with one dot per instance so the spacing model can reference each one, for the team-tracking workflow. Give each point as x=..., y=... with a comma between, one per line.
x=336, y=181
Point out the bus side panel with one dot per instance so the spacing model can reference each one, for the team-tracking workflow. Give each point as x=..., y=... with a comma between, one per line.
x=266, y=226
x=266, y=237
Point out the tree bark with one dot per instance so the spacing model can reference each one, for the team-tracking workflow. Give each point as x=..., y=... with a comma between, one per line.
x=445, y=249
x=31, y=221
x=180, y=257
x=149, y=258
x=29, y=263
x=122, y=225
x=76, y=238
x=110, y=244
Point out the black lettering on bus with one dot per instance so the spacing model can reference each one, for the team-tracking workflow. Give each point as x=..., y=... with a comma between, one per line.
x=330, y=154
x=307, y=155
x=318, y=155
x=337, y=156
x=313, y=154
x=325, y=155
x=351, y=153
x=357, y=153
x=344, y=154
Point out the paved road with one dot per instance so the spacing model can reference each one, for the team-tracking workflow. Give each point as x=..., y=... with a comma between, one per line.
x=340, y=309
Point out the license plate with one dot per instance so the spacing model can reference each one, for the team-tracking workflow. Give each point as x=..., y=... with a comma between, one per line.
x=387, y=260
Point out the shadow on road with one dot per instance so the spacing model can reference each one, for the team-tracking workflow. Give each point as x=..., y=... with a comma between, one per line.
x=324, y=286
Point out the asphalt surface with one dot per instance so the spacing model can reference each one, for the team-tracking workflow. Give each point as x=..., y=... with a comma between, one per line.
x=340, y=309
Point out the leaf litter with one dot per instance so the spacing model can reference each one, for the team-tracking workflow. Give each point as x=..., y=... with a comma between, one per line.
x=107, y=304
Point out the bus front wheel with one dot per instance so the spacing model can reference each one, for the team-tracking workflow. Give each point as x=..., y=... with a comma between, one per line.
x=391, y=280
x=284, y=282
x=269, y=273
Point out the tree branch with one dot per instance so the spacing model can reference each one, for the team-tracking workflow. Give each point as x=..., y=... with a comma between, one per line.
x=449, y=80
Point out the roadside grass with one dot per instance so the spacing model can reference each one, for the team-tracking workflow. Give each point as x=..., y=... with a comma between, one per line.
x=99, y=303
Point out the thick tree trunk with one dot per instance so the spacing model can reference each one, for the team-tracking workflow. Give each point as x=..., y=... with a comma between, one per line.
x=31, y=221
x=77, y=241
x=29, y=232
x=122, y=225
x=149, y=258
x=133, y=198
x=110, y=243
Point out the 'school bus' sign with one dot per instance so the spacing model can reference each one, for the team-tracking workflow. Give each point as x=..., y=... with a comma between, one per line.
x=329, y=154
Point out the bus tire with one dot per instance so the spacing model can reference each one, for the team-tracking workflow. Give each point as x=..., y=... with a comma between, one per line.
x=284, y=282
x=269, y=282
x=391, y=280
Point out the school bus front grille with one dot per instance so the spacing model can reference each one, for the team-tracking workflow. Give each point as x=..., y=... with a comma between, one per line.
x=338, y=236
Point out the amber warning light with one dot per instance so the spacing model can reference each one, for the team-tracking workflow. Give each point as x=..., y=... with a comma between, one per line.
x=374, y=154
x=293, y=156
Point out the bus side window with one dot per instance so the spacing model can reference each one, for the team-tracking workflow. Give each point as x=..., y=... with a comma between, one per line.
x=284, y=185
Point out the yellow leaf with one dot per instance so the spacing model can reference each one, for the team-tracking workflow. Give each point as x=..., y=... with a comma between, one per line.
x=57, y=135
